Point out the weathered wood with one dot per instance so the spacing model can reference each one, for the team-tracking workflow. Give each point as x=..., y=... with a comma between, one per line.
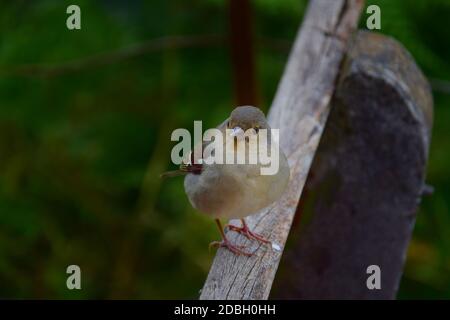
x=366, y=180
x=300, y=109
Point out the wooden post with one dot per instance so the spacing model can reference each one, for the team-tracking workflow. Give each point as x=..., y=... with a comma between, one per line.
x=366, y=180
x=242, y=52
x=300, y=110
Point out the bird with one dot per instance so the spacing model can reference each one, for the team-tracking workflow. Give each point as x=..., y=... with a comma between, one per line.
x=236, y=190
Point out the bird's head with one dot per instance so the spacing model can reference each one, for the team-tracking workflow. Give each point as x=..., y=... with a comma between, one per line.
x=247, y=117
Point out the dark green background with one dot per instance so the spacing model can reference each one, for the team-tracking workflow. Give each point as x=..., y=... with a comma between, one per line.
x=81, y=150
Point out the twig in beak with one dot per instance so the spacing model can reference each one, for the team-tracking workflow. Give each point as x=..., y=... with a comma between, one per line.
x=236, y=131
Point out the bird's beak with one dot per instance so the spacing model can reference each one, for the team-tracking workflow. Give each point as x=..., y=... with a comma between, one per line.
x=236, y=131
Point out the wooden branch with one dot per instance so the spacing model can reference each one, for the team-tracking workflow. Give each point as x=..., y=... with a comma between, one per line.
x=367, y=178
x=300, y=110
x=107, y=58
x=440, y=85
x=136, y=50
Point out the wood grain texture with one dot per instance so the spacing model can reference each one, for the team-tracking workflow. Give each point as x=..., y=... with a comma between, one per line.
x=366, y=181
x=299, y=110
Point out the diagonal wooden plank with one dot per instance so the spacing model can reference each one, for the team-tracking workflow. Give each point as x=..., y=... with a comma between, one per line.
x=300, y=110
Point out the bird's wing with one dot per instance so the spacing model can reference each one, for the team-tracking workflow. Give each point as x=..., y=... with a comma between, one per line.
x=188, y=166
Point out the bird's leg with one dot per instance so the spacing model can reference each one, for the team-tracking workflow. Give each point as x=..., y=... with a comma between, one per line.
x=227, y=244
x=245, y=230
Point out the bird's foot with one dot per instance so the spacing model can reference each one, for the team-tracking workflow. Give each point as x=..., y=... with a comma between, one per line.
x=233, y=248
x=244, y=230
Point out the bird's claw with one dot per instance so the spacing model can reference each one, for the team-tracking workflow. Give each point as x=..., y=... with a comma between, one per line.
x=233, y=248
x=248, y=233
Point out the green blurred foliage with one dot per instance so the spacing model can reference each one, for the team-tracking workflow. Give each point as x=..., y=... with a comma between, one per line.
x=81, y=152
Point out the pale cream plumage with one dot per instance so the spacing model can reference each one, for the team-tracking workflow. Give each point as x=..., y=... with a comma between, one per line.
x=235, y=190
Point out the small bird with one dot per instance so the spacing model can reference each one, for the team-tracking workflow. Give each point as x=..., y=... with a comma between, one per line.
x=235, y=190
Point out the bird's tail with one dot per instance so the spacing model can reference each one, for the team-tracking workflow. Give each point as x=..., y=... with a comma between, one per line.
x=174, y=173
x=184, y=169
